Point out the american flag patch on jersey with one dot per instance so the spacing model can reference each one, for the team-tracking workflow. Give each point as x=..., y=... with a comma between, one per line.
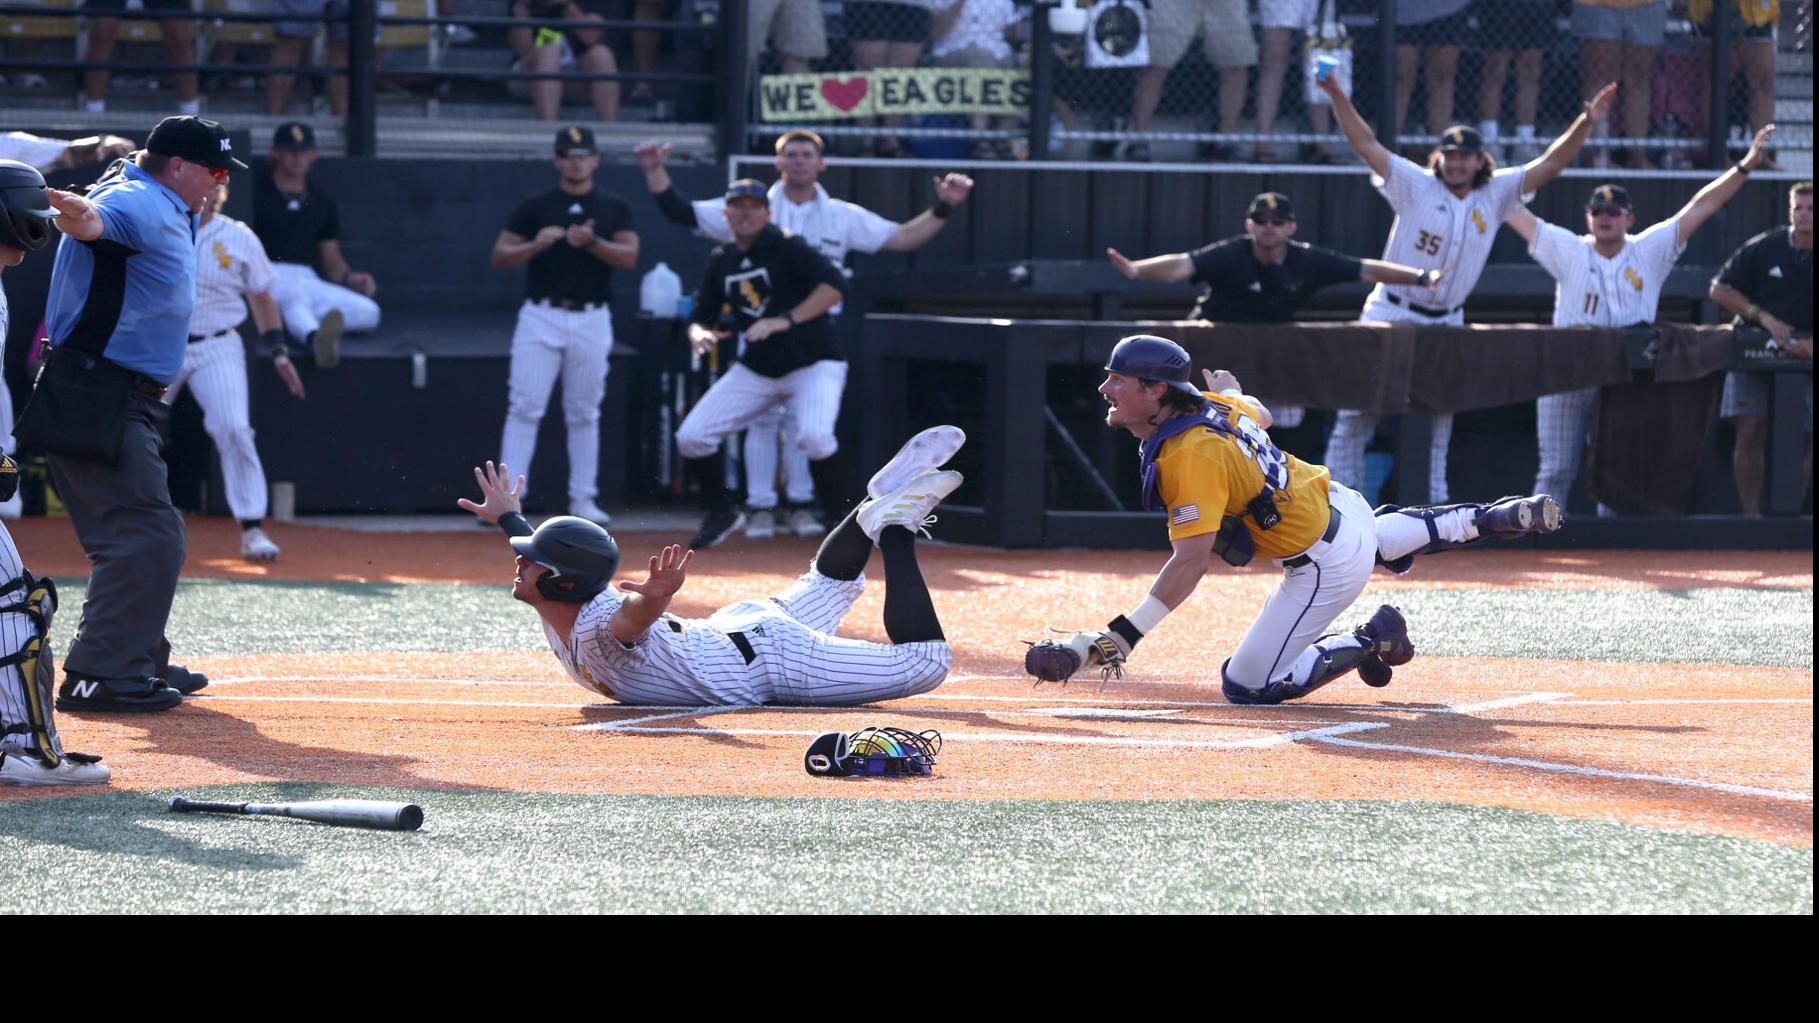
x=1185, y=514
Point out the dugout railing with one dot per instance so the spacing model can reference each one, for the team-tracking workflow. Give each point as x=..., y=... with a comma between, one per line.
x=1009, y=383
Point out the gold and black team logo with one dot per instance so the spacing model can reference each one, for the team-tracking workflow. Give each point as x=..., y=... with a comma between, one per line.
x=297, y=134
x=750, y=292
x=574, y=136
x=226, y=261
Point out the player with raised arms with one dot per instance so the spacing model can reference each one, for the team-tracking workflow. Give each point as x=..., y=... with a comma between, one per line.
x=1230, y=492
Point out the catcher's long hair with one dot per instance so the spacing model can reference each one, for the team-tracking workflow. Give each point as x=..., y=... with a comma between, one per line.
x=1177, y=400
x=1479, y=180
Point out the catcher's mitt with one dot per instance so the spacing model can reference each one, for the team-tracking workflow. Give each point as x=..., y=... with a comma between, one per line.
x=1051, y=661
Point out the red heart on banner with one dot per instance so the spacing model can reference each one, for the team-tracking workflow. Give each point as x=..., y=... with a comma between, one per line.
x=845, y=95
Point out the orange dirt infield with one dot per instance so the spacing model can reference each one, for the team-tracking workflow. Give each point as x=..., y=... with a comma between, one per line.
x=1724, y=750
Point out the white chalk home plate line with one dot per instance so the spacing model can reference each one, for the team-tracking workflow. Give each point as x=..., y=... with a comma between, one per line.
x=1038, y=738
x=1590, y=772
x=1744, y=701
x=421, y=680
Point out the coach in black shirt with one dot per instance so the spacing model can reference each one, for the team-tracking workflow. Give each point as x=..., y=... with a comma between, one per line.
x=1264, y=276
x=1769, y=281
x=573, y=236
x=774, y=290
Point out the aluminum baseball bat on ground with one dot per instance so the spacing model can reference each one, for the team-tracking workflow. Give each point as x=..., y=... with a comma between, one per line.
x=357, y=813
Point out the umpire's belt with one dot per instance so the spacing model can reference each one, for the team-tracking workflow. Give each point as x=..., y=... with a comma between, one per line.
x=193, y=338
x=570, y=304
x=1332, y=530
x=1438, y=314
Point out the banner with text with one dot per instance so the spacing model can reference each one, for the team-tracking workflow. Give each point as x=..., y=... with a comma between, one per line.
x=887, y=91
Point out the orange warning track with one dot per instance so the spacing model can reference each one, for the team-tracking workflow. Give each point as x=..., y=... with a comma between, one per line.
x=1727, y=751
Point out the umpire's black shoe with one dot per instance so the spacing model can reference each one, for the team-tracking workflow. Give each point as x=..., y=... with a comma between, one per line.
x=717, y=527
x=121, y=695
x=182, y=679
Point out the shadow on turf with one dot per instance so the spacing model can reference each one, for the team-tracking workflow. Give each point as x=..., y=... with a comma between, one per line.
x=119, y=822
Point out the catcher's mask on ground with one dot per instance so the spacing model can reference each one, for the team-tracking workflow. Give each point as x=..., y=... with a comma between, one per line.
x=873, y=751
x=581, y=558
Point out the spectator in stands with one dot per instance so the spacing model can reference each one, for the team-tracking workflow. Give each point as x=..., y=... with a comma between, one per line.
x=1281, y=20
x=57, y=154
x=179, y=38
x=1225, y=31
x=886, y=35
x=971, y=34
x=1619, y=40
x=554, y=49
x=1769, y=282
x=645, y=44
x=290, y=48
x=1512, y=33
x=1751, y=43
x=320, y=295
x=1428, y=36
x=796, y=29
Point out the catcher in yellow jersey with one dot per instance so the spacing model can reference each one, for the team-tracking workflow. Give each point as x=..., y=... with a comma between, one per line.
x=1229, y=491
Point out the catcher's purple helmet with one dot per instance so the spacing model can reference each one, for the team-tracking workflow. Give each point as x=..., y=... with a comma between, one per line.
x=1148, y=357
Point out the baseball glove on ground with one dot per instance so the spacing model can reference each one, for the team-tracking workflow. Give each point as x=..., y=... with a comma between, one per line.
x=1051, y=661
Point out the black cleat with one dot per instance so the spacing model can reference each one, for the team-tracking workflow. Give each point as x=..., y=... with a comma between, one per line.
x=117, y=695
x=717, y=527
x=182, y=679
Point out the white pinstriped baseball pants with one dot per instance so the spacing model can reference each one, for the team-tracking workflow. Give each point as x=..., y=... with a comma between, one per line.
x=812, y=395
x=304, y=297
x=1561, y=424
x=573, y=345
x=770, y=438
x=1352, y=430
x=15, y=631
x=215, y=369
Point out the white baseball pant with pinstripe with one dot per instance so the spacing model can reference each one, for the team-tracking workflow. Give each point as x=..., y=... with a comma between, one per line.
x=772, y=432
x=215, y=369
x=1352, y=430
x=304, y=297
x=16, y=630
x=812, y=395
x=796, y=658
x=550, y=343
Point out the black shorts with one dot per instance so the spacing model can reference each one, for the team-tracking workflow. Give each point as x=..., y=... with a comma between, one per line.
x=897, y=23
x=1448, y=31
x=1516, y=24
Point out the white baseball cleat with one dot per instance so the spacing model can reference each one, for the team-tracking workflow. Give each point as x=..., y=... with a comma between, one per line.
x=256, y=546
x=924, y=453
x=27, y=770
x=803, y=523
x=760, y=524
x=585, y=508
x=910, y=505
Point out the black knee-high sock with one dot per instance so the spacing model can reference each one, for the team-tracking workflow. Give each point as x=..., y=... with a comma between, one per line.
x=826, y=474
x=909, y=613
x=709, y=474
x=845, y=550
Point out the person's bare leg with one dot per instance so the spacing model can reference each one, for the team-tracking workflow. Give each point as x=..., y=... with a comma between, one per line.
x=1233, y=83
x=605, y=94
x=1528, y=86
x=180, y=48
x=101, y=35
x=645, y=45
x=795, y=65
x=287, y=51
x=898, y=54
x=1272, y=69
x=1638, y=76
x=1442, y=72
x=1146, y=95
x=1759, y=71
x=868, y=55
x=1748, y=462
x=546, y=93
x=337, y=84
x=1490, y=84
x=1408, y=67
x=1598, y=63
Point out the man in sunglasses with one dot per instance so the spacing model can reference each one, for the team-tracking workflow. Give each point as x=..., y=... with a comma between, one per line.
x=122, y=291
x=1264, y=275
x=1610, y=278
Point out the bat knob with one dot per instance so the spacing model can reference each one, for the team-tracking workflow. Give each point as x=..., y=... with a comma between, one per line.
x=410, y=818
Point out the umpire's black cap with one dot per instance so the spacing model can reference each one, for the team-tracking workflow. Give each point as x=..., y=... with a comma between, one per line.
x=1271, y=204
x=748, y=188
x=196, y=139
x=1610, y=195
x=294, y=135
x=578, y=139
x=1462, y=136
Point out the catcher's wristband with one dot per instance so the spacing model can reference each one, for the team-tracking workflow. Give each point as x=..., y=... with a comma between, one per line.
x=273, y=340
x=1141, y=622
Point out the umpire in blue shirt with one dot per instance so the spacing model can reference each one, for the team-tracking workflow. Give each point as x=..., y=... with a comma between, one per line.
x=122, y=290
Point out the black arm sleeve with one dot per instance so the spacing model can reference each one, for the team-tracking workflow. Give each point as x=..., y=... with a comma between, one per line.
x=676, y=209
x=515, y=524
x=710, y=295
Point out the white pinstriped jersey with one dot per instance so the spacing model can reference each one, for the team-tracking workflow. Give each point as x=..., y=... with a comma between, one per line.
x=230, y=265
x=833, y=226
x=796, y=657
x=1436, y=229
x=1592, y=291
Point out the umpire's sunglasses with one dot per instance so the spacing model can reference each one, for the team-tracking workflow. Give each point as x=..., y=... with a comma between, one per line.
x=1269, y=221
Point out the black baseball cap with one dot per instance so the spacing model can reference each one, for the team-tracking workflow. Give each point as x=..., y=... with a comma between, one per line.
x=1271, y=204
x=1462, y=136
x=294, y=135
x=1610, y=195
x=196, y=139
x=748, y=188
x=576, y=140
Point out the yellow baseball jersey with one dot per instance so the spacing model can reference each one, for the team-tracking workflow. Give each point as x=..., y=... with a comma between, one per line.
x=1204, y=475
x=1756, y=13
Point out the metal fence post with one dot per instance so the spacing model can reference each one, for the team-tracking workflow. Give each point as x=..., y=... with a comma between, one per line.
x=362, y=103
x=1042, y=82
x=1717, y=114
x=1387, y=128
x=735, y=79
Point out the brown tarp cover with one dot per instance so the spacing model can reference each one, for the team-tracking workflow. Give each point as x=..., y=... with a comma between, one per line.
x=1648, y=435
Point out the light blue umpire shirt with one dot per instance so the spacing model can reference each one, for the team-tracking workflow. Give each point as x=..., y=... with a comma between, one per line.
x=131, y=290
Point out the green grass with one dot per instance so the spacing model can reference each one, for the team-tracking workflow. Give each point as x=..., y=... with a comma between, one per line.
x=502, y=853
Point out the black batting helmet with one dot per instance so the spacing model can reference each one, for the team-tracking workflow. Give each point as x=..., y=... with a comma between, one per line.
x=26, y=207
x=580, y=555
x=1148, y=357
